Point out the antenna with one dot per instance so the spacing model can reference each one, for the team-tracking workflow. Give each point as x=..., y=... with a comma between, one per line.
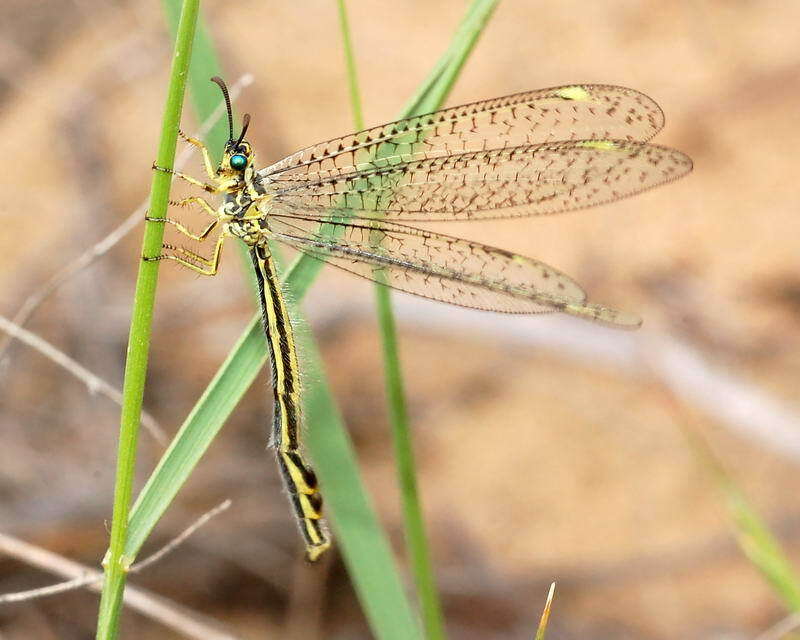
x=219, y=81
x=245, y=124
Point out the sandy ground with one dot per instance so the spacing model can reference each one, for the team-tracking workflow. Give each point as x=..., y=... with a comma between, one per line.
x=548, y=450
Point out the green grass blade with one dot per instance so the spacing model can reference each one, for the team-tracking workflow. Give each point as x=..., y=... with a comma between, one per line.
x=429, y=98
x=363, y=544
x=761, y=547
x=361, y=539
x=352, y=70
x=413, y=521
x=755, y=539
x=435, y=89
x=205, y=95
x=221, y=396
x=117, y=562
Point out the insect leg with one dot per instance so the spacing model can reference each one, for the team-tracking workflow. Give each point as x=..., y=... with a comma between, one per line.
x=207, y=208
x=209, y=166
x=182, y=229
x=201, y=202
x=212, y=264
x=203, y=185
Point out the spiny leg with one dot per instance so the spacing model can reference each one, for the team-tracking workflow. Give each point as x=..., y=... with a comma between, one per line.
x=207, y=208
x=209, y=166
x=199, y=183
x=203, y=235
x=183, y=263
x=213, y=263
x=201, y=202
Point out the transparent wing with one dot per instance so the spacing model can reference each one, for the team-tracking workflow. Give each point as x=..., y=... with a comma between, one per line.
x=572, y=112
x=496, y=183
x=441, y=267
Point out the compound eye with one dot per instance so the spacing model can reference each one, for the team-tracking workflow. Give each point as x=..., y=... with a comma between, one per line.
x=238, y=162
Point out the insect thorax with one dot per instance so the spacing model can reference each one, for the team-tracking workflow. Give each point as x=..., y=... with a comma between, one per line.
x=249, y=231
x=240, y=204
x=237, y=203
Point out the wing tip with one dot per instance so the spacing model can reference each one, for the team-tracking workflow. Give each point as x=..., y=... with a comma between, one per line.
x=605, y=316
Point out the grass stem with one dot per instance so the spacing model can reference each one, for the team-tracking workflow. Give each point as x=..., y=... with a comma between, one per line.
x=116, y=564
x=413, y=521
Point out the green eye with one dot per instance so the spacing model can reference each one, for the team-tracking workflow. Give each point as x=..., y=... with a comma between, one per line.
x=238, y=162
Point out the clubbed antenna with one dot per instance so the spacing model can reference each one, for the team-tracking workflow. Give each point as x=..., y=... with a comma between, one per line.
x=245, y=124
x=219, y=81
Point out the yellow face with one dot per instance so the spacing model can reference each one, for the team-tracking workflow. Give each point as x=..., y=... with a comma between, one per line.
x=236, y=160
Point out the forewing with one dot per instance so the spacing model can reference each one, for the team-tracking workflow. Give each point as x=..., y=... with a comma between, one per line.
x=440, y=267
x=572, y=112
x=496, y=183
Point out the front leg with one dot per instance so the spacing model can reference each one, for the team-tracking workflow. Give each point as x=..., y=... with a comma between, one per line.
x=209, y=166
x=203, y=185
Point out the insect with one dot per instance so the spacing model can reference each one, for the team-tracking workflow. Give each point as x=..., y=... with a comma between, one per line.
x=346, y=202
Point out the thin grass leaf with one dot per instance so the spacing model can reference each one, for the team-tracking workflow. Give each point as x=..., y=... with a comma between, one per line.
x=117, y=561
x=205, y=64
x=429, y=98
x=755, y=539
x=545, y=619
x=440, y=81
x=413, y=522
x=364, y=546
x=759, y=544
x=352, y=70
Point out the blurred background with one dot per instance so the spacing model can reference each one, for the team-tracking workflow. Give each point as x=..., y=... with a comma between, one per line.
x=548, y=449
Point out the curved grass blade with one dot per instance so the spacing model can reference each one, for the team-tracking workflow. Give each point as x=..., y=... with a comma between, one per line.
x=753, y=535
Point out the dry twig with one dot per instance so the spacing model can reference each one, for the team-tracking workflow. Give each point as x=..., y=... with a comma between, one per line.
x=168, y=613
x=94, y=383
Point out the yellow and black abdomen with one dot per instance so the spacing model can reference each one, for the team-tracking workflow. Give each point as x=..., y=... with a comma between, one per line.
x=298, y=476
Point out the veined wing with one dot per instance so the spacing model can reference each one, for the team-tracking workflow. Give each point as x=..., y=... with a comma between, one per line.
x=495, y=183
x=440, y=267
x=571, y=112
